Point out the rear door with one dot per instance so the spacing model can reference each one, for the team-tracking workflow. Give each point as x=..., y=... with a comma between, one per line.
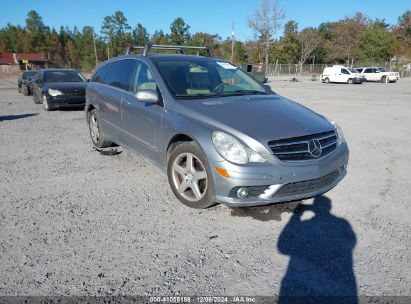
x=111, y=95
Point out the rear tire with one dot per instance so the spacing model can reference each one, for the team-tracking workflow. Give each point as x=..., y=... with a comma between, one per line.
x=190, y=177
x=383, y=79
x=25, y=90
x=35, y=99
x=96, y=133
x=19, y=88
x=327, y=80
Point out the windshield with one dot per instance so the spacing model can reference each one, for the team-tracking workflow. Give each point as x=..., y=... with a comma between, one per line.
x=27, y=75
x=199, y=78
x=381, y=69
x=63, y=76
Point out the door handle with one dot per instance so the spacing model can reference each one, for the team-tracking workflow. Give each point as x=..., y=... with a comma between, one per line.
x=126, y=101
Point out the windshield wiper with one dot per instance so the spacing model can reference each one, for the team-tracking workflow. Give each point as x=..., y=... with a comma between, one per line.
x=196, y=96
x=219, y=94
x=250, y=92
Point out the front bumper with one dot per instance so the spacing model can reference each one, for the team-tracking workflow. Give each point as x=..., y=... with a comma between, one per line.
x=358, y=80
x=67, y=101
x=280, y=181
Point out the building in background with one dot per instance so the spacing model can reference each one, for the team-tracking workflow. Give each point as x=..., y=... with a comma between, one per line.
x=16, y=62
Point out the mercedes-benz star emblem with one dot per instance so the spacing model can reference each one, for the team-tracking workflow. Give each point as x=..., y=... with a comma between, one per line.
x=314, y=148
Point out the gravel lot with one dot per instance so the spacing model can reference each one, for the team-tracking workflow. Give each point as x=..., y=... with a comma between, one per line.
x=75, y=222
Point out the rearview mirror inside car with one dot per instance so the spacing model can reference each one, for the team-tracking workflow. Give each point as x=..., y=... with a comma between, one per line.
x=148, y=96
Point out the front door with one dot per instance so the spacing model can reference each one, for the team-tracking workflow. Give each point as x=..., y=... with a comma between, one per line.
x=141, y=122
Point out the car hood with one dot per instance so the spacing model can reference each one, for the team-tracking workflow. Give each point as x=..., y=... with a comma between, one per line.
x=262, y=118
x=67, y=85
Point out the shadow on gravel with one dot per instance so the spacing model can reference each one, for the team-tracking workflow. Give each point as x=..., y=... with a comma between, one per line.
x=70, y=109
x=320, y=249
x=265, y=213
x=14, y=117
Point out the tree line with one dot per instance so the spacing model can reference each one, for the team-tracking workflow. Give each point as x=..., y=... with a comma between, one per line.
x=352, y=40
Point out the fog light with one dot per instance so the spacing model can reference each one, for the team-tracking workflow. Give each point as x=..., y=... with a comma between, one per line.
x=242, y=192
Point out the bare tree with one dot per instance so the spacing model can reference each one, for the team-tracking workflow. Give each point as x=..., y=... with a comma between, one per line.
x=265, y=23
x=309, y=40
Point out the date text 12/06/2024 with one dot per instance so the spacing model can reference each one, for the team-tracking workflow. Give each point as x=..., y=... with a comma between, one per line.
x=200, y=299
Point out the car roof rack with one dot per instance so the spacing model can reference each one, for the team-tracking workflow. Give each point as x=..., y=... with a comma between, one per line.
x=182, y=48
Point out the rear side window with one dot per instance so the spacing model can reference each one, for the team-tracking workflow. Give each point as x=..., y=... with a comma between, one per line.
x=101, y=74
x=120, y=73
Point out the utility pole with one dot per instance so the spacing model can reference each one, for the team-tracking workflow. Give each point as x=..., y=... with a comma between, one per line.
x=95, y=48
x=232, y=43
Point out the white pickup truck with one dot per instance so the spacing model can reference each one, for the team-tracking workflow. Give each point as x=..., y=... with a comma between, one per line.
x=377, y=74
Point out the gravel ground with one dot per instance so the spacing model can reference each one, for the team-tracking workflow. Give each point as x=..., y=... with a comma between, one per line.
x=75, y=222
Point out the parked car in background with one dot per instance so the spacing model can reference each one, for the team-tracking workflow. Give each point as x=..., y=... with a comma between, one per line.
x=57, y=88
x=24, y=82
x=341, y=74
x=377, y=74
x=220, y=135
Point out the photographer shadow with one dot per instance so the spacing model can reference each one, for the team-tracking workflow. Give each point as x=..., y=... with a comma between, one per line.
x=320, y=269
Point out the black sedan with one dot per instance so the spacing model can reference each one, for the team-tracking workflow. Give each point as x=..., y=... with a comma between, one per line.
x=58, y=88
x=24, y=82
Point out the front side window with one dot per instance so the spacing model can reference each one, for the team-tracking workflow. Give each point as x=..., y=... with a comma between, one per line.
x=368, y=71
x=63, y=76
x=200, y=78
x=344, y=71
x=142, y=79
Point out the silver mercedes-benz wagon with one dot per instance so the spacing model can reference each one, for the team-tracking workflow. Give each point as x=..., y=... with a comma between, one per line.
x=221, y=136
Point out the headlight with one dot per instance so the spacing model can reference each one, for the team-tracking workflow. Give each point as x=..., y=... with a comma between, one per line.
x=232, y=150
x=340, y=134
x=53, y=92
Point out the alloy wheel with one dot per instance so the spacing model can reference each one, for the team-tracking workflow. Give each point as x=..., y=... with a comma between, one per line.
x=189, y=177
x=94, y=130
x=45, y=103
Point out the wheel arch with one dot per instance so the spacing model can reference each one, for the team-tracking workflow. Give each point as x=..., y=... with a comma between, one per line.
x=175, y=140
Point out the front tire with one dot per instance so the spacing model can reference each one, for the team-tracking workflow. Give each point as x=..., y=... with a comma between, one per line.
x=350, y=81
x=96, y=133
x=190, y=177
x=47, y=105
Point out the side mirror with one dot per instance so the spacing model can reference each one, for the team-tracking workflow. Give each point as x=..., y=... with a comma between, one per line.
x=265, y=80
x=267, y=87
x=377, y=71
x=148, y=96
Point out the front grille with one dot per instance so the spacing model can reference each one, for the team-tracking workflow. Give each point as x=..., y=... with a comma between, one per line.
x=74, y=93
x=296, y=148
x=308, y=186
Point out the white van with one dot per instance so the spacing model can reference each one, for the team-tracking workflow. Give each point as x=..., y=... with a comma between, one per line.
x=341, y=74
